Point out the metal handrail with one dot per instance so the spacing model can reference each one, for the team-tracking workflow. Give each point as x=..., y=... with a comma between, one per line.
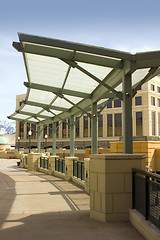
x=60, y=165
x=146, y=195
x=44, y=162
x=145, y=173
x=76, y=169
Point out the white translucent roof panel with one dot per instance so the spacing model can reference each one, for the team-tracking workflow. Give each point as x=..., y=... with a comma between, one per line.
x=46, y=70
x=73, y=99
x=33, y=120
x=66, y=104
x=102, y=101
x=32, y=109
x=21, y=116
x=40, y=96
x=61, y=102
x=77, y=80
x=40, y=119
x=138, y=75
x=48, y=114
x=119, y=87
x=56, y=112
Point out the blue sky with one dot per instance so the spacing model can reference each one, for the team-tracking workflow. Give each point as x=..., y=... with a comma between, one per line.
x=125, y=25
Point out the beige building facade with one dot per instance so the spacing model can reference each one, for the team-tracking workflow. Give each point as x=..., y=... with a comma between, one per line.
x=146, y=122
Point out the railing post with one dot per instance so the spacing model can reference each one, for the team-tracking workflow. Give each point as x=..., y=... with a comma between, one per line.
x=133, y=189
x=147, y=198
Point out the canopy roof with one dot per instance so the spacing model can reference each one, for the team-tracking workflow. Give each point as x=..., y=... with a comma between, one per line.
x=65, y=78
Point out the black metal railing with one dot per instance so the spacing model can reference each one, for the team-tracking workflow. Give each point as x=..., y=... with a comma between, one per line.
x=44, y=162
x=60, y=165
x=146, y=195
x=26, y=160
x=78, y=169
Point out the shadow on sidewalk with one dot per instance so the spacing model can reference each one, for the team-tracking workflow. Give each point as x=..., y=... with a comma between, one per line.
x=66, y=226
x=7, y=196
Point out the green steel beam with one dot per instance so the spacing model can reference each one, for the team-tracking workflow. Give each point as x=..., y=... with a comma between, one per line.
x=72, y=136
x=75, y=46
x=113, y=79
x=39, y=139
x=22, y=120
x=143, y=60
x=104, y=104
x=75, y=105
x=75, y=65
x=94, y=128
x=54, y=138
x=56, y=90
x=150, y=63
x=68, y=54
x=108, y=95
x=46, y=106
x=127, y=114
x=57, y=116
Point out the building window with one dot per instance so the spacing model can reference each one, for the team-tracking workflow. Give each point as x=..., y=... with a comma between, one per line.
x=159, y=124
x=117, y=103
x=64, y=133
x=33, y=130
x=158, y=89
x=109, y=105
x=109, y=125
x=153, y=123
x=100, y=126
x=50, y=130
x=158, y=102
x=77, y=128
x=153, y=101
x=152, y=87
x=85, y=126
x=138, y=100
x=139, y=124
x=118, y=124
x=57, y=129
x=44, y=131
x=21, y=130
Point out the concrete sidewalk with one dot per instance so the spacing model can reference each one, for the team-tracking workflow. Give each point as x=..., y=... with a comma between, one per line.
x=37, y=206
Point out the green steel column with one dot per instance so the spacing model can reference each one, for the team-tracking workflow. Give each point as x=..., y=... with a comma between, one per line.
x=72, y=136
x=39, y=138
x=127, y=114
x=54, y=138
x=94, y=128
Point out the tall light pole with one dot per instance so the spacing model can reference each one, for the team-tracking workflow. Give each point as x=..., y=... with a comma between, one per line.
x=30, y=134
x=18, y=142
x=46, y=136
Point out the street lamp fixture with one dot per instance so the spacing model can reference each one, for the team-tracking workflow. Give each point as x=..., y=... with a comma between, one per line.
x=30, y=134
x=18, y=142
x=46, y=136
